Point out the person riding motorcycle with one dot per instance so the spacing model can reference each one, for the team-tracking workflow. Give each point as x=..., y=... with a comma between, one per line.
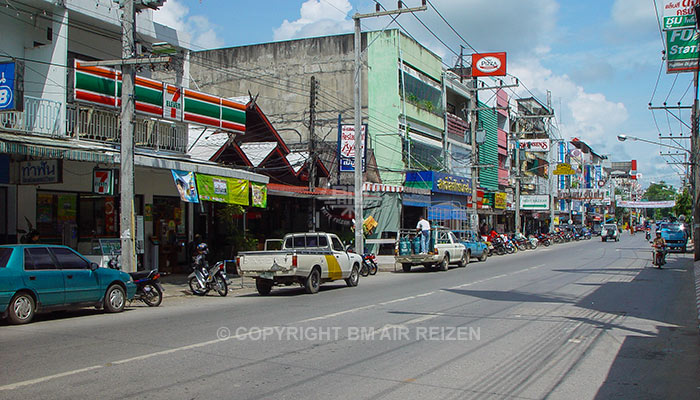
x=660, y=244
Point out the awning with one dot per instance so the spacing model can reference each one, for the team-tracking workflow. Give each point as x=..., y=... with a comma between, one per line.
x=196, y=166
x=278, y=189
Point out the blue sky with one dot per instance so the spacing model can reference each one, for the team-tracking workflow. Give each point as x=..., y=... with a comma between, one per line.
x=599, y=58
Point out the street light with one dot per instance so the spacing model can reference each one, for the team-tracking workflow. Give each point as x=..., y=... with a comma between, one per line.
x=623, y=137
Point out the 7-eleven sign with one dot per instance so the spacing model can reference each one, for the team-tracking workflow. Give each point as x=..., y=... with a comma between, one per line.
x=172, y=102
x=103, y=181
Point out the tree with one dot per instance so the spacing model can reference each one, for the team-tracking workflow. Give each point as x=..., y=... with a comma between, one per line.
x=684, y=204
x=660, y=192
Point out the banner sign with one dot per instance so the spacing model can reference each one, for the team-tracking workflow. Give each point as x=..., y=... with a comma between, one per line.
x=679, y=14
x=102, y=86
x=646, y=204
x=682, y=50
x=500, y=201
x=11, y=86
x=534, y=202
x=489, y=64
x=439, y=182
x=103, y=181
x=346, y=148
x=258, y=194
x=535, y=145
x=185, y=184
x=583, y=194
x=40, y=172
x=564, y=169
x=222, y=189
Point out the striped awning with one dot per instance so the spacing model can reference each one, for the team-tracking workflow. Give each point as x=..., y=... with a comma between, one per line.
x=55, y=152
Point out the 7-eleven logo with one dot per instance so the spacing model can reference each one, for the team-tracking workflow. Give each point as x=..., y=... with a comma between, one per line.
x=172, y=103
x=102, y=180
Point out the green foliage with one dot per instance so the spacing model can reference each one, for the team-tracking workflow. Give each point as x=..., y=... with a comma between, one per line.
x=684, y=204
x=660, y=192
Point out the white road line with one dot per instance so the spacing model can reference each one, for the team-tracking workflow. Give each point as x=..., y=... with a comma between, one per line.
x=322, y=317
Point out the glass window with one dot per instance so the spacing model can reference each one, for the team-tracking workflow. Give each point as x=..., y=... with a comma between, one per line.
x=5, y=254
x=300, y=241
x=322, y=241
x=38, y=258
x=312, y=241
x=337, y=244
x=288, y=244
x=67, y=259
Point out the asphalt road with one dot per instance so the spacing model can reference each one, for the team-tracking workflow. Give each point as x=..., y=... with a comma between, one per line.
x=579, y=320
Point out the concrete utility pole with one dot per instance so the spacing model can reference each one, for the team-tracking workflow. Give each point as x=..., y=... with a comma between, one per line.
x=550, y=177
x=126, y=176
x=518, y=227
x=359, y=215
x=312, y=152
x=474, y=121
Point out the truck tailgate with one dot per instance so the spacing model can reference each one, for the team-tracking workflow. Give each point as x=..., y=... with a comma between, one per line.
x=265, y=261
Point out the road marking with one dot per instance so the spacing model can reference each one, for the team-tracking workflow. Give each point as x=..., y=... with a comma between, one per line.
x=322, y=317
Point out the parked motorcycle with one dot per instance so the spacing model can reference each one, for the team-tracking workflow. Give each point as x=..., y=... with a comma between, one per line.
x=369, y=264
x=148, y=287
x=544, y=239
x=202, y=280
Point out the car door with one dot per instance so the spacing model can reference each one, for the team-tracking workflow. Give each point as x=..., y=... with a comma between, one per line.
x=82, y=284
x=340, y=259
x=42, y=275
x=456, y=249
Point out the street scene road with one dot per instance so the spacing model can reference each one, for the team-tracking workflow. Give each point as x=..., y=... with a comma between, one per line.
x=577, y=320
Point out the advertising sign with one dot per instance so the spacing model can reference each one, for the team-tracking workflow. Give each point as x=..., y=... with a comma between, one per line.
x=646, y=204
x=679, y=14
x=500, y=201
x=346, y=148
x=41, y=171
x=534, y=202
x=222, y=189
x=172, y=102
x=444, y=183
x=11, y=85
x=103, y=181
x=534, y=145
x=564, y=169
x=258, y=194
x=682, y=50
x=583, y=194
x=489, y=64
x=185, y=184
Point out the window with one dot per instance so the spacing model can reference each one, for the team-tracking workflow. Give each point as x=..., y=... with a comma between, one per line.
x=322, y=241
x=5, y=254
x=67, y=259
x=38, y=258
x=299, y=241
x=337, y=244
x=312, y=241
x=289, y=243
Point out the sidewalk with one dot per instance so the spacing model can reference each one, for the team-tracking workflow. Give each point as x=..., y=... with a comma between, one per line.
x=177, y=284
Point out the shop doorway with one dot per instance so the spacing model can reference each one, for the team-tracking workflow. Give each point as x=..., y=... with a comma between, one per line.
x=169, y=228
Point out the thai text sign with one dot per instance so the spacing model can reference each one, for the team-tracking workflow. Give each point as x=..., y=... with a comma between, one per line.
x=451, y=184
x=679, y=14
x=583, y=194
x=682, y=50
x=500, y=200
x=538, y=145
x=646, y=204
x=534, y=202
x=42, y=171
x=223, y=189
x=346, y=147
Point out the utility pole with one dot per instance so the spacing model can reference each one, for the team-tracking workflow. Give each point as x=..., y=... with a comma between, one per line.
x=518, y=227
x=474, y=121
x=312, y=152
x=126, y=168
x=550, y=177
x=357, y=18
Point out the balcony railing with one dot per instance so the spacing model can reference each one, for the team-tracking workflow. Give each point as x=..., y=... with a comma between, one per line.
x=457, y=128
x=40, y=117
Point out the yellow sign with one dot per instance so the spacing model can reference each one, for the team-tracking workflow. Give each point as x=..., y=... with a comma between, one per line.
x=499, y=200
x=556, y=220
x=564, y=169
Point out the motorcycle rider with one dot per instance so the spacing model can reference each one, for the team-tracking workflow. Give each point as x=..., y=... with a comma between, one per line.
x=660, y=244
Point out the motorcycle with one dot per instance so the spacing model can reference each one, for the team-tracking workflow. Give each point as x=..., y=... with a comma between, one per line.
x=534, y=242
x=658, y=257
x=202, y=280
x=148, y=287
x=499, y=246
x=369, y=264
x=544, y=239
x=647, y=235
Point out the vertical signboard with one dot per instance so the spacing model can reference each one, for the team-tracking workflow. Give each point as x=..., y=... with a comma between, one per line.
x=11, y=86
x=347, y=148
x=103, y=181
x=172, y=102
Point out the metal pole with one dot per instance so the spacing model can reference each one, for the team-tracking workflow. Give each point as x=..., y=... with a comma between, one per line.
x=312, y=152
x=474, y=99
x=518, y=227
x=126, y=181
x=359, y=219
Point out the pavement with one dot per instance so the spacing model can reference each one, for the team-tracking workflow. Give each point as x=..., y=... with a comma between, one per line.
x=582, y=320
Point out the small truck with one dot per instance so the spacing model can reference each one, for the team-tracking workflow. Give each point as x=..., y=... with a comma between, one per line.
x=308, y=259
x=444, y=249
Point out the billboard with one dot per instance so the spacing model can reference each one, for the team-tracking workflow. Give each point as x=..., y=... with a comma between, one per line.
x=535, y=145
x=346, y=148
x=534, y=202
x=489, y=64
x=679, y=14
x=680, y=35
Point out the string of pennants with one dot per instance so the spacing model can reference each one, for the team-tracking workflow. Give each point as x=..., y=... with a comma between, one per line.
x=102, y=86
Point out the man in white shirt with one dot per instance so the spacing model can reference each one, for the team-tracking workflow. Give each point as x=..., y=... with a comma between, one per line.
x=423, y=229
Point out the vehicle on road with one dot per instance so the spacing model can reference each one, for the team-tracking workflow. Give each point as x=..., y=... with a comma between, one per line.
x=369, y=264
x=444, y=249
x=37, y=278
x=202, y=280
x=658, y=255
x=308, y=259
x=475, y=244
x=610, y=232
x=675, y=235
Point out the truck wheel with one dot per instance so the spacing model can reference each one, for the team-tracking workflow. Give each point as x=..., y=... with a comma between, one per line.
x=313, y=281
x=464, y=261
x=445, y=264
x=406, y=267
x=264, y=286
x=354, y=277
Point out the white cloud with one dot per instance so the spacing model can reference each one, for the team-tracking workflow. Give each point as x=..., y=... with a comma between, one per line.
x=630, y=14
x=200, y=33
x=317, y=18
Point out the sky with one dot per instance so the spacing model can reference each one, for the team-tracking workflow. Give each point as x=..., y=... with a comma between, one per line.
x=600, y=59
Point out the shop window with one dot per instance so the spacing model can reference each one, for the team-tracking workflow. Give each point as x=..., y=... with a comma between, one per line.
x=55, y=211
x=98, y=216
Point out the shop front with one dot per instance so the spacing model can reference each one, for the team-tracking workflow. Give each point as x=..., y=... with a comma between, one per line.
x=450, y=197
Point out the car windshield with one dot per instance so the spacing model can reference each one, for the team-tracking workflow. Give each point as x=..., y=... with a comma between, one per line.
x=610, y=226
x=672, y=227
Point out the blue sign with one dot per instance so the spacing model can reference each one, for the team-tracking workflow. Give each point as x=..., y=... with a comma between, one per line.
x=439, y=182
x=8, y=98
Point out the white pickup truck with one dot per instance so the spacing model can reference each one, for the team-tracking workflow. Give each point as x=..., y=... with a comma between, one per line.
x=308, y=259
x=444, y=248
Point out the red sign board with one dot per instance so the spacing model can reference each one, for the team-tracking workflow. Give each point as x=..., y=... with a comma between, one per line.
x=489, y=64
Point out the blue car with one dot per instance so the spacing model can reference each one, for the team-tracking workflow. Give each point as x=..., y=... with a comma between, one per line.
x=675, y=235
x=37, y=278
x=474, y=243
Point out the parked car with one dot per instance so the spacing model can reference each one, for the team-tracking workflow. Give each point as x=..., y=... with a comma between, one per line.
x=610, y=232
x=308, y=259
x=36, y=278
x=675, y=235
x=444, y=249
x=475, y=244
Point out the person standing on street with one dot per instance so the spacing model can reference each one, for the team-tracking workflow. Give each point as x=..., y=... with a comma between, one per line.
x=423, y=229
